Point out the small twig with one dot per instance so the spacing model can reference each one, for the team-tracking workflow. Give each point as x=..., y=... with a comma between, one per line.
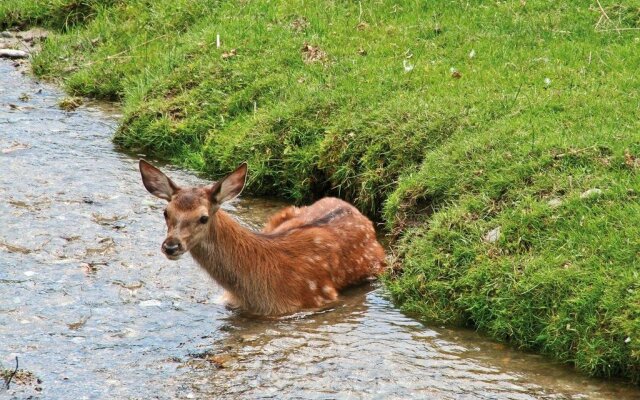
x=577, y=151
x=123, y=57
x=605, y=16
x=604, y=13
x=530, y=289
x=15, y=371
x=24, y=45
x=618, y=29
x=515, y=99
x=124, y=51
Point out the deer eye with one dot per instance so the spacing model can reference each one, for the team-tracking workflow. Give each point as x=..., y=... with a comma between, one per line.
x=166, y=214
x=204, y=219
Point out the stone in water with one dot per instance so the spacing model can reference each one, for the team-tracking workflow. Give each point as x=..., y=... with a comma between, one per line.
x=10, y=53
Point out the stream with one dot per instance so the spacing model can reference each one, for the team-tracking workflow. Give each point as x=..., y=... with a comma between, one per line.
x=93, y=310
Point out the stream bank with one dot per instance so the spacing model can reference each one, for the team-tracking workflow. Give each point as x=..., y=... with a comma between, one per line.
x=93, y=310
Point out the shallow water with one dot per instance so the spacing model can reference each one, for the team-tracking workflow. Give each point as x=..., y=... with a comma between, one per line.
x=91, y=307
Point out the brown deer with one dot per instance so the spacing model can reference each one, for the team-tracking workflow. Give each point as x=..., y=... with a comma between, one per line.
x=301, y=259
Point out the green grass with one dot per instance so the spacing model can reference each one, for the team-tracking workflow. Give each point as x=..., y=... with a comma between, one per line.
x=445, y=119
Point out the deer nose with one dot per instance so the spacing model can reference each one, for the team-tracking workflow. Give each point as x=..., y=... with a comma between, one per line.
x=171, y=247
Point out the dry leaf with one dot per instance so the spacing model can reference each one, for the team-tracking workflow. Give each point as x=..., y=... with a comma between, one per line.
x=630, y=160
x=312, y=54
x=299, y=24
x=229, y=54
x=15, y=147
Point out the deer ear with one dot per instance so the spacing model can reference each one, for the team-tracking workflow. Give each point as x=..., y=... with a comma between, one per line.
x=157, y=183
x=230, y=186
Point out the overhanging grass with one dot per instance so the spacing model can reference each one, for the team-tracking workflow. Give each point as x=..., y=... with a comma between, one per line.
x=447, y=118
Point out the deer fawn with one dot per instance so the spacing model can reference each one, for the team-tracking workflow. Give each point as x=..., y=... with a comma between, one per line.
x=301, y=259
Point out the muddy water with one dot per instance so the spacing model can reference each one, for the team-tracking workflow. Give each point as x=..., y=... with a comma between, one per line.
x=90, y=306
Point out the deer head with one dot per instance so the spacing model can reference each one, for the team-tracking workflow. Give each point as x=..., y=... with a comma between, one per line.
x=190, y=210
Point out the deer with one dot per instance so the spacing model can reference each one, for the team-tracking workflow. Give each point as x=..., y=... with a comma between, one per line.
x=301, y=259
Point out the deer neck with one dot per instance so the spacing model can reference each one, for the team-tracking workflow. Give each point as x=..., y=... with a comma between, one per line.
x=235, y=257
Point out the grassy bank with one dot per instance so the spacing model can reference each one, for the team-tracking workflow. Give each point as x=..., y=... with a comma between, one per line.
x=498, y=141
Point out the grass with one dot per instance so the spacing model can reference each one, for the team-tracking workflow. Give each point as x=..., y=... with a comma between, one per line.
x=446, y=119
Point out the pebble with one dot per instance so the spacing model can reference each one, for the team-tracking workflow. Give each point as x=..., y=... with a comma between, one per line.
x=172, y=294
x=6, y=34
x=10, y=53
x=15, y=147
x=555, y=202
x=150, y=303
x=248, y=338
x=591, y=193
x=492, y=236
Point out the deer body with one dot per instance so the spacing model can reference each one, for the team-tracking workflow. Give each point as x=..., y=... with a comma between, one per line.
x=301, y=259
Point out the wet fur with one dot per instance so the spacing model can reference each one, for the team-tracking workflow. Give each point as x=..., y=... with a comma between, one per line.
x=302, y=258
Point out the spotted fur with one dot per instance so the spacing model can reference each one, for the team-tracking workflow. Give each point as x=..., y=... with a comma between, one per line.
x=301, y=259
